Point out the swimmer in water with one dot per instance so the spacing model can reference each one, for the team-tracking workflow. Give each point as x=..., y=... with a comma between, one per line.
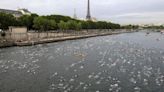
x=158, y=39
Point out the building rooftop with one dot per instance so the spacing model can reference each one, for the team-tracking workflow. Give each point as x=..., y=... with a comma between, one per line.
x=10, y=11
x=25, y=10
x=16, y=13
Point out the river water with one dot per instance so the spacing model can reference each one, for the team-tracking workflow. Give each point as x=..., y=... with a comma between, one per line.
x=129, y=62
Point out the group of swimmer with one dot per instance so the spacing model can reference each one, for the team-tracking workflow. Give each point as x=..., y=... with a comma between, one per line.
x=161, y=32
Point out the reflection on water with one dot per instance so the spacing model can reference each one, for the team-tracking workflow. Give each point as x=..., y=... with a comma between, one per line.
x=132, y=62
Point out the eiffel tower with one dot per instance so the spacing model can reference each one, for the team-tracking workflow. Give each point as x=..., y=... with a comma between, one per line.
x=75, y=16
x=88, y=17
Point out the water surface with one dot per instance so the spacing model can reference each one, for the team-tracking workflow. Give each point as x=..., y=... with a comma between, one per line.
x=130, y=62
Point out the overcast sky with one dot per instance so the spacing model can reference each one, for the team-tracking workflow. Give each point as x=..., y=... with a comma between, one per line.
x=119, y=11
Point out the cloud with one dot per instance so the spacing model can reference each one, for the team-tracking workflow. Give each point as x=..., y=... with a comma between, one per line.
x=140, y=18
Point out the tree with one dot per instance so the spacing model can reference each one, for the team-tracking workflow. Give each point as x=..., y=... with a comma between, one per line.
x=130, y=26
x=52, y=25
x=102, y=25
x=59, y=18
x=84, y=24
x=72, y=24
x=91, y=25
x=44, y=24
x=39, y=23
x=26, y=20
x=53, y=22
x=7, y=20
x=78, y=26
x=63, y=25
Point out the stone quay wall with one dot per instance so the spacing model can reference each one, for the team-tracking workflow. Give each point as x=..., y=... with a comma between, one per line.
x=33, y=36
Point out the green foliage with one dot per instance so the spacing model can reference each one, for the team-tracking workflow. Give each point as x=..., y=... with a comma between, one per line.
x=102, y=25
x=84, y=24
x=52, y=25
x=63, y=25
x=72, y=24
x=27, y=20
x=130, y=27
x=155, y=27
x=58, y=18
x=44, y=24
x=52, y=22
x=39, y=23
x=99, y=25
x=7, y=20
x=114, y=26
x=91, y=25
x=78, y=26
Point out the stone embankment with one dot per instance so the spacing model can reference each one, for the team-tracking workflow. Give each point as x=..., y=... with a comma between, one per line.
x=55, y=39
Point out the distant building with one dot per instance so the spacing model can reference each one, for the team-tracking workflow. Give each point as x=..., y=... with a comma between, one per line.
x=94, y=19
x=16, y=13
x=75, y=16
x=13, y=29
x=24, y=11
x=13, y=12
x=18, y=33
